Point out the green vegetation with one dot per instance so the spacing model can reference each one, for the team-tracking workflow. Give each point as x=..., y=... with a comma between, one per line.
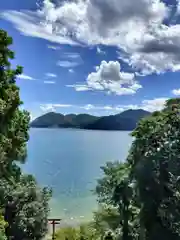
x=3, y=225
x=84, y=231
x=138, y=199
x=124, y=121
x=24, y=205
x=64, y=121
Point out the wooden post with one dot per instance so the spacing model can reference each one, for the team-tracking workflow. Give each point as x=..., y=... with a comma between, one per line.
x=54, y=222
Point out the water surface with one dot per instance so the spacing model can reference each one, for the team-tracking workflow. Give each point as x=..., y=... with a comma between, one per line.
x=69, y=161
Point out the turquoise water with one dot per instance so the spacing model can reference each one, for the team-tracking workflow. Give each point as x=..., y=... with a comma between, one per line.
x=69, y=161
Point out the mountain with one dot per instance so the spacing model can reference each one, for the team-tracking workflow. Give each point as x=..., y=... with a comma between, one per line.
x=126, y=121
x=64, y=121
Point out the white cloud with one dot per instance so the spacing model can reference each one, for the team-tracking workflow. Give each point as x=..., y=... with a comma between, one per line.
x=25, y=77
x=109, y=78
x=79, y=87
x=147, y=104
x=53, y=47
x=88, y=107
x=150, y=105
x=99, y=51
x=136, y=27
x=154, y=104
x=71, y=70
x=49, y=82
x=67, y=64
x=32, y=117
x=176, y=92
x=157, y=55
x=70, y=59
x=72, y=55
x=178, y=6
x=51, y=75
x=48, y=107
x=32, y=24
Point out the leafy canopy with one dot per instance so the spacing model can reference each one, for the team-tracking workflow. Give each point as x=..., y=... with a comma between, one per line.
x=24, y=204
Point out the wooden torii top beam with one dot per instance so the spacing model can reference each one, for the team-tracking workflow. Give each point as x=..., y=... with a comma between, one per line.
x=54, y=222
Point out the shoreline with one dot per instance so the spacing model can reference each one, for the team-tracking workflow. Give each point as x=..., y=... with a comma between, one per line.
x=81, y=129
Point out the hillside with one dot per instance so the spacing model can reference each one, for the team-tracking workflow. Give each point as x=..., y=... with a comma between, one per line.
x=64, y=121
x=126, y=121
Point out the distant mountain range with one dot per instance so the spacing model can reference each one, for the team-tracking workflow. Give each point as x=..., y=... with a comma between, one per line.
x=125, y=121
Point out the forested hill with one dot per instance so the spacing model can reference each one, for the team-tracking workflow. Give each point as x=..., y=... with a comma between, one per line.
x=126, y=120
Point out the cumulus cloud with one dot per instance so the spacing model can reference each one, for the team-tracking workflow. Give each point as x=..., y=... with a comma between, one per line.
x=25, y=77
x=108, y=77
x=176, y=92
x=51, y=75
x=136, y=27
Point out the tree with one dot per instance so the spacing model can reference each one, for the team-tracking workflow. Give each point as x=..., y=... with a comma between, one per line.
x=24, y=204
x=25, y=208
x=109, y=236
x=3, y=225
x=118, y=206
x=113, y=172
x=155, y=167
x=83, y=231
x=123, y=196
x=146, y=188
x=14, y=123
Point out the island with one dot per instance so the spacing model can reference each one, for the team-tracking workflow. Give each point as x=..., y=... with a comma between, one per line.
x=125, y=121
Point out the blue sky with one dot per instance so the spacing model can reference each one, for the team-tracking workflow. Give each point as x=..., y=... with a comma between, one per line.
x=94, y=56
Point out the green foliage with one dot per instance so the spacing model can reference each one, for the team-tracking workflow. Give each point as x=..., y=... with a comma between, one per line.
x=67, y=233
x=105, y=218
x=112, y=174
x=3, y=225
x=24, y=204
x=145, y=190
x=25, y=208
x=155, y=156
x=118, y=209
x=84, y=231
x=14, y=124
x=139, y=198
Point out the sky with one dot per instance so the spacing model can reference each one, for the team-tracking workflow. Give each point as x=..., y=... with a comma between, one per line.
x=94, y=56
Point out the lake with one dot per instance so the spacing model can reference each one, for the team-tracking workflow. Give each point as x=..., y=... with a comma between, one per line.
x=69, y=160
